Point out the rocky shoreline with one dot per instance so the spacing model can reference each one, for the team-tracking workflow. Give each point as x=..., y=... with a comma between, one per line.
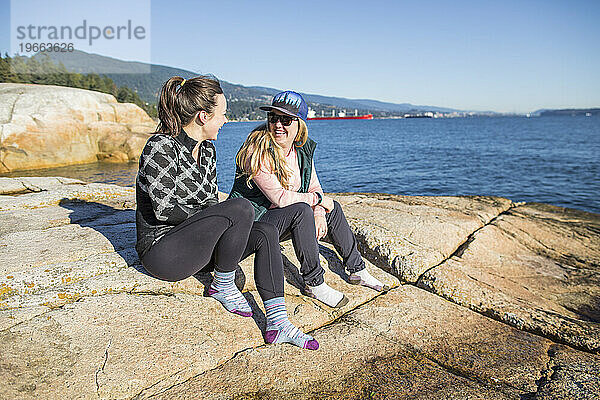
x=44, y=126
x=490, y=299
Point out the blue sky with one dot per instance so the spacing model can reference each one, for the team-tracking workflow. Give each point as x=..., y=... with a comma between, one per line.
x=508, y=56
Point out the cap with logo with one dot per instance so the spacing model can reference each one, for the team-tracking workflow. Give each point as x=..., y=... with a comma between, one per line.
x=290, y=103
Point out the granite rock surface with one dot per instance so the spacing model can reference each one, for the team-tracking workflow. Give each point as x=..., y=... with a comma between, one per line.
x=44, y=126
x=489, y=299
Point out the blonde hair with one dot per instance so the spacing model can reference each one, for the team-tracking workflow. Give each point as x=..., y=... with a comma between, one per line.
x=261, y=149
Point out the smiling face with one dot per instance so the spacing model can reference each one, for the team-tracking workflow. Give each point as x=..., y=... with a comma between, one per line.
x=217, y=119
x=284, y=135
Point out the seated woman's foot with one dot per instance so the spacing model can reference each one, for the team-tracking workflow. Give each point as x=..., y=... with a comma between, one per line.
x=327, y=295
x=224, y=290
x=281, y=330
x=292, y=335
x=364, y=278
x=233, y=302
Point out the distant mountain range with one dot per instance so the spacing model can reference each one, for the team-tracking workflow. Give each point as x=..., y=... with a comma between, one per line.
x=244, y=99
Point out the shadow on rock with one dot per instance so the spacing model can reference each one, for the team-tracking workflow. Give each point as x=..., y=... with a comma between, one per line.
x=117, y=225
x=586, y=306
x=205, y=277
x=334, y=263
x=260, y=319
x=292, y=274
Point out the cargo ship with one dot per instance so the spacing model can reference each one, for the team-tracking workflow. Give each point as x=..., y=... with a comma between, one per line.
x=340, y=115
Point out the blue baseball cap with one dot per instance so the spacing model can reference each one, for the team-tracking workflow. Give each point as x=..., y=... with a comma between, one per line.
x=290, y=103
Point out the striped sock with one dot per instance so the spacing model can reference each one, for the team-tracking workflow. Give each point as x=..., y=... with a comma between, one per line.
x=281, y=330
x=223, y=289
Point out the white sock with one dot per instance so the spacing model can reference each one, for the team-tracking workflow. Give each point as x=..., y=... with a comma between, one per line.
x=328, y=295
x=369, y=279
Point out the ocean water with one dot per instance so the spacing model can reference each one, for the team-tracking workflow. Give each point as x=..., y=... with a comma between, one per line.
x=553, y=160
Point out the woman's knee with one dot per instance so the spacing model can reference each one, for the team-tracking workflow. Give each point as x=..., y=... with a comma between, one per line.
x=337, y=208
x=265, y=231
x=242, y=208
x=335, y=215
x=302, y=209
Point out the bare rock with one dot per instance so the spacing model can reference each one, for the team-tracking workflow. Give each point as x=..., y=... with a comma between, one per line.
x=46, y=126
x=12, y=186
x=407, y=344
x=570, y=375
x=121, y=147
x=407, y=235
x=536, y=267
x=81, y=318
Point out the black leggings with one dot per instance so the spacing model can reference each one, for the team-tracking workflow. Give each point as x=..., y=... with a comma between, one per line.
x=298, y=222
x=268, y=264
x=218, y=237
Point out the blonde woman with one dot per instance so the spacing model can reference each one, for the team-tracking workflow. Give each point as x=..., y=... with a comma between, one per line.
x=276, y=173
x=181, y=226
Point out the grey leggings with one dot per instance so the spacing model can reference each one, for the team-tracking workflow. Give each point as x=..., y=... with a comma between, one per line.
x=218, y=237
x=298, y=221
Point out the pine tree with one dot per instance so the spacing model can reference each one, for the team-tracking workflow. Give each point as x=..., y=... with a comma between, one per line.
x=40, y=69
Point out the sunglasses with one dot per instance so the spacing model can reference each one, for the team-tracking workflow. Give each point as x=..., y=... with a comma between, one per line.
x=285, y=120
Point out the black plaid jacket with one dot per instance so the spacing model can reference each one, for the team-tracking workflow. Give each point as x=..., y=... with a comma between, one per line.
x=171, y=186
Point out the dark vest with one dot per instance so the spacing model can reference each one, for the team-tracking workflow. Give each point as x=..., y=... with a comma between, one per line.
x=255, y=195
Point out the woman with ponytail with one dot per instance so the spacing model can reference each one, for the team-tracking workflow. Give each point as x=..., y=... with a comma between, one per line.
x=276, y=172
x=182, y=228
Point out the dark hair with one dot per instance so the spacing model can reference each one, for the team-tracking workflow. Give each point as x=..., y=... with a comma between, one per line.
x=178, y=104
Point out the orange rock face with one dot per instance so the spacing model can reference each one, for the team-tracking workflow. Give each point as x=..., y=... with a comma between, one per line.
x=46, y=126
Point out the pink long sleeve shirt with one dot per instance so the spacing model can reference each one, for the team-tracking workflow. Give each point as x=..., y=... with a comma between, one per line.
x=268, y=183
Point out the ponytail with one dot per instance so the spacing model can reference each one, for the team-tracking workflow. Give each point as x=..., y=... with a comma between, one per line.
x=180, y=100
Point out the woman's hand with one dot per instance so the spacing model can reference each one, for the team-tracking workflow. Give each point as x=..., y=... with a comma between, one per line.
x=321, y=226
x=327, y=203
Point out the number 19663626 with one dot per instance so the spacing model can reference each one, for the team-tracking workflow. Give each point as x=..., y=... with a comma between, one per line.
x=49, y=47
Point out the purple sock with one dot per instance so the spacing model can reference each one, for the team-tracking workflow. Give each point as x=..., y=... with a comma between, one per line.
x=281, y=330
x=224, y=290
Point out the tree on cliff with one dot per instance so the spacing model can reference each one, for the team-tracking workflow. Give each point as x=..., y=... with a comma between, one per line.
x=42, y=70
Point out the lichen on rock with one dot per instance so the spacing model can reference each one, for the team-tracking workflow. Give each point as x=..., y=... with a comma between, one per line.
x=495, y=304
